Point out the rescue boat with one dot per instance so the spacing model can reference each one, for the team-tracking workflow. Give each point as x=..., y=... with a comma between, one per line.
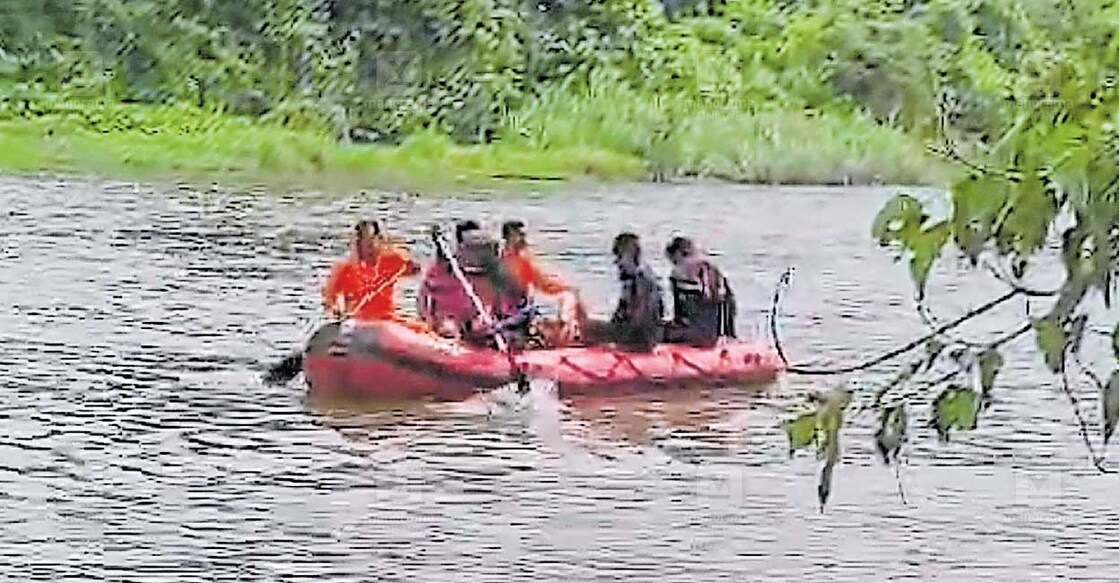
x=393, y=361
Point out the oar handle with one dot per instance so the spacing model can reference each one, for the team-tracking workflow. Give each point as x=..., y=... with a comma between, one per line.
x=369, y=295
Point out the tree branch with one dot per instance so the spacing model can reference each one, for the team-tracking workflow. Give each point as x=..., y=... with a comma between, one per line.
x=890, y=355
x=1014, y=285
x=782, y=283
x=1097, y=460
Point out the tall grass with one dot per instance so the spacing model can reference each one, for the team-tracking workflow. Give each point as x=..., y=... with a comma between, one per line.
x=677, y=136
x=144, y=141
x=607, y=131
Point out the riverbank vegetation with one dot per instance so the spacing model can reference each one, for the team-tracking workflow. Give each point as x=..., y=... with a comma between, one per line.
x=747, y=90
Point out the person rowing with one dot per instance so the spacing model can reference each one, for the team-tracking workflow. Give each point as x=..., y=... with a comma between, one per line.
x=445, y=305
x=704, y=306
x=362, y=286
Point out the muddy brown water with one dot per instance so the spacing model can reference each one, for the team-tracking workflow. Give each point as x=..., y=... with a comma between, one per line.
x=139, y=445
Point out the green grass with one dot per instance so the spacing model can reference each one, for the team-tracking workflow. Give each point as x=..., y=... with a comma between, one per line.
x=677, y=137
x=795, y=148
x=240, y=151
x=608, y=136
x=280, y=157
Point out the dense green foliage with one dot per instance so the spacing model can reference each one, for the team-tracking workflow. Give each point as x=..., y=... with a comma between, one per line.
x=728, y=88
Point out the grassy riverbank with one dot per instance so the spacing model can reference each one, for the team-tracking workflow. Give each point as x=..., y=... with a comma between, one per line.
x=476, y=92
x=239, y=152
x=554, y=143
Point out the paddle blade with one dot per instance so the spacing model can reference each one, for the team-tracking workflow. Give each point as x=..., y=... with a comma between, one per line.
x=523, y=385
x=282, y=372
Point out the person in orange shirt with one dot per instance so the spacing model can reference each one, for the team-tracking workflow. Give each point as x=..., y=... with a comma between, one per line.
x=363, y=285
x=520, y=264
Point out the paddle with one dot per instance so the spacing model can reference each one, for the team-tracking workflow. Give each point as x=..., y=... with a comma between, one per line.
x=282, y=372
x=519, y=375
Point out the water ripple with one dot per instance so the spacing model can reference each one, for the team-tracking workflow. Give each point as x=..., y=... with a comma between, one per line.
x=138, y=444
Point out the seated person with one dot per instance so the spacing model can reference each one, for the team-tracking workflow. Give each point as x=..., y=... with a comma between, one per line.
x=362, y=285
x=448, y=308
x=704, y=307
x=527, y=277
x=637, y=323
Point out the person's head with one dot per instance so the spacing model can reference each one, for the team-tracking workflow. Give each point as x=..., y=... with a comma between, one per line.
x=477, y=249
x=513, y=232
x=679, y=249
x=465, y=227
x=627, y=251
x=366, y=238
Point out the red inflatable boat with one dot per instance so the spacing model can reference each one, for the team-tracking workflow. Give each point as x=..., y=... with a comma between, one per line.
x=389, y=360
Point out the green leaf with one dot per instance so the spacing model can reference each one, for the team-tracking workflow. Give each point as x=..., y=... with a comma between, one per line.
x=1030, y=212
x=893, y=425
x=955, y=408
x=831, y=421
x=1072, y=293
x=801, y=431
x=925, y=248
x=1072, y=251
x=976, y=202
x=823, y=487
x=834, y=403
x=900, y=215
x=1110, y=406
x=990, y=362
x=1051, y=341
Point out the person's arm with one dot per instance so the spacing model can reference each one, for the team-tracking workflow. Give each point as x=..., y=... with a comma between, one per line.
x=331, y=291
x=625, y=303
x=408, y=266
x=645, y=327
x=548, y=284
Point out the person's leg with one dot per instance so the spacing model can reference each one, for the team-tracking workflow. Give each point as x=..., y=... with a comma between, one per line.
x=675, y=333
x=597, y=332
x=729, y=316
x=638, y=337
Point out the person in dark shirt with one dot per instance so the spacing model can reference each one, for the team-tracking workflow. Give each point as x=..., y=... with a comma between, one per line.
x=637, y=322
x=704, y=307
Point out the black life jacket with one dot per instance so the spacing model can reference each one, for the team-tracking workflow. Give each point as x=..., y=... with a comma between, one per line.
x=641, y=299
x=703, y=301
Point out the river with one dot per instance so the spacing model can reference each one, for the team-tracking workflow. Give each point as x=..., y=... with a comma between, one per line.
x=139, y=445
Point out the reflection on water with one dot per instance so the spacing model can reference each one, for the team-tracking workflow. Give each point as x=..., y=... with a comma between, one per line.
x=138, y=444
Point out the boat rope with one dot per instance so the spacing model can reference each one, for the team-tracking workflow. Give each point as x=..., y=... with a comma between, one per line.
x=680, y=358
x=808, y=370
x=602, y=378
x=633, y=366
x=610, y=374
